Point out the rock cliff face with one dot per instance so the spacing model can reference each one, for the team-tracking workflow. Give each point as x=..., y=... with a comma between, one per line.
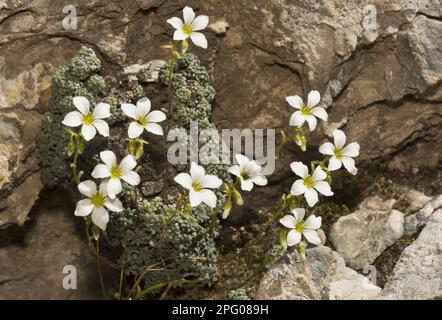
x=377, y=64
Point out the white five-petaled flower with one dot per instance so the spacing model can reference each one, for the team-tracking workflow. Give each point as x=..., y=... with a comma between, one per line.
x=198, y=183
x=114, y=171
x=299, y=227
x=96, y=203
x=187, y=28
x=90, y=121
x=249, y=173
x=308, y=112
x=309, y=185
x=340, y=155
x=145, y=120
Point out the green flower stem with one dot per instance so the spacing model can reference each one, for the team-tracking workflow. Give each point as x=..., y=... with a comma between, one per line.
x=100, y=274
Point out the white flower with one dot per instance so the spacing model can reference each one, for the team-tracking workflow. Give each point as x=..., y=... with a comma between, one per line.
x=96, y=203
x=307, y=112
x=310, y=184
x=198, y=183
x=341, y=155
x=90, y=121
x=114, y=171
x=249, y=172
x=299, y=227
x=145, y=120
x=188, y=28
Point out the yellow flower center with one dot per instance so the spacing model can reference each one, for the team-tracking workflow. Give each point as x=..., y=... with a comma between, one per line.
x=339, y=153
x=196, y=187
x=245, y=175
x=97, y=200
x=187, y=29
x=88, y=119
x=308, y=182
x=300, y=227
x=143, y=121
x=305, y=110
x=115, y=172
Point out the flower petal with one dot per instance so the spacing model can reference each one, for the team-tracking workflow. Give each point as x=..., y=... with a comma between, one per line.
x=211, y=181
x=88, y=132
x=143, y=107
x=175, y=22
x=299, y=214
x=100, y=217
x=312, y=122
x=235, y=170
x=349, y=164
x=313, y=98
x=154, y=128
x=131, y=177
x=188, y=14
x=129, y=110
x=339, y=137
x=108, y=157
x=209, y=197
x=311, y=196
x=319, y=174
x=312, y=237
x=288, y=221
x=135, y=130
x=246, y=185
x=179, y=35
x=156, y=116
x=199, y=39
x=185, y=180
x=195, y=198
x=297, y=119
x=313, y=222
x=295, y=101
x=103, y=188
x=197, y=172
x=320, y=113
x=102, y=127
x=114, y=205
x=298, y=188
x=293, y=238
x=73, y=119
x=128, y=163
x=327, y=148
x=200, y=23
x=84, y=208
x=82, y=104
x=114, y=187
x=334, y=164
x=102, y=111
x=101, y=171
x=299, y=169
x=87, y=188
x=352, y=150
x=324, y=188
x=260, y=180
x=242, y=160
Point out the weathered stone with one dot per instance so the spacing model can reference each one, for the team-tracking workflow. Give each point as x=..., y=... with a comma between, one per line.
x=362, y=236
x=417, y=220
x=322, y=275
x=32, y=267
x=417, y=274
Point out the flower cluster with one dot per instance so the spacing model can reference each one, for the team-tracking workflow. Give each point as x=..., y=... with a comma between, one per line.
x=316, y=181
x=111, y=172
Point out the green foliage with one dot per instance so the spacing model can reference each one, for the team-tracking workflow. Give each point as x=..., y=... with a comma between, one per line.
x=80, y=78
x=238, y=294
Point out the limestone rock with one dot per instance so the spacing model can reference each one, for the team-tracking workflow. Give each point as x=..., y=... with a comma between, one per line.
x=32, y=264
x=417, y=274
x=322, y=275
x=362, y=236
